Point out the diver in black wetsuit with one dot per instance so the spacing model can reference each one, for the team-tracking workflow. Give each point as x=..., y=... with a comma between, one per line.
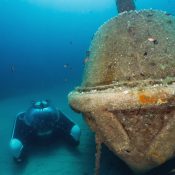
x=41, y=120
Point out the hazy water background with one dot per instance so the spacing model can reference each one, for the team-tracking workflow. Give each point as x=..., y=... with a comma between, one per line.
x=37, y=37
x=42, y=47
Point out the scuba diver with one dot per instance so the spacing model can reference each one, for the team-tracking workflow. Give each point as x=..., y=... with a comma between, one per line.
x=40, y=121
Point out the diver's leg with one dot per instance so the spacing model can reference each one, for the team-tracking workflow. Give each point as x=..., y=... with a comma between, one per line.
x=70, y=129
x=19, y=137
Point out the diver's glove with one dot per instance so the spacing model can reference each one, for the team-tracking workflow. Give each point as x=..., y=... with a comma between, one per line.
x=16, y=148
x=75, y=133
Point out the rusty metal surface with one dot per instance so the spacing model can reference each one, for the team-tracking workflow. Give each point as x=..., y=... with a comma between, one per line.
x=128, y=97
x=125, y=5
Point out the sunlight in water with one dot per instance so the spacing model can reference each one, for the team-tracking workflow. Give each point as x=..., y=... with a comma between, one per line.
x=75, y=5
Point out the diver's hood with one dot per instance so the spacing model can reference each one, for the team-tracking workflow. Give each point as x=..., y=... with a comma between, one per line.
x=41, y=116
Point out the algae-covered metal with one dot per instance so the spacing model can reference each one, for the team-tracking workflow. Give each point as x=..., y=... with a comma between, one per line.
x=128, y=91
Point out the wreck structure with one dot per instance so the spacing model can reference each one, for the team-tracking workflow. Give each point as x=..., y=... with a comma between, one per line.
x=127, y=95
x=125, y=5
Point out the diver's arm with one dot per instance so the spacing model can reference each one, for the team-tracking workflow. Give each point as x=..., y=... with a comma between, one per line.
x=19, y=137
x=69, y=128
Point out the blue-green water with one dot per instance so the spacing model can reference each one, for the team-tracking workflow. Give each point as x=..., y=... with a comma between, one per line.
x=42, y=47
